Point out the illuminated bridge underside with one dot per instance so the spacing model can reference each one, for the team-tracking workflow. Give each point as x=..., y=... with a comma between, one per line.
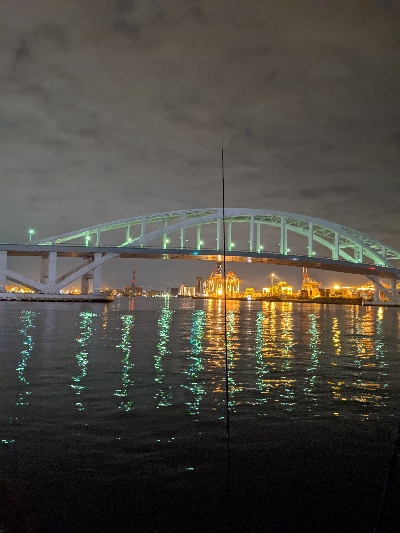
x=265, y=236
x=110, y=252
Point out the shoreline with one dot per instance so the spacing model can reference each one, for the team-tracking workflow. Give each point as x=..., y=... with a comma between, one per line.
x=37, y=297
x=339, y=300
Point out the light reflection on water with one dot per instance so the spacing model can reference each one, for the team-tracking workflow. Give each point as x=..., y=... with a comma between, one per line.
x=195, y=386
x=148, y=397
x=27, y=318
x=163, y=395
x=361, y=343
x=285, y=360
x=86, y=333
x=127, y=381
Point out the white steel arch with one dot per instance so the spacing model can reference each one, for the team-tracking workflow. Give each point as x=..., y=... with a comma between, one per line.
x=340, y=242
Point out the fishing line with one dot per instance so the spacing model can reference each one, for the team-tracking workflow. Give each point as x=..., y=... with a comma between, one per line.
x=225, y=321
x=224, y=274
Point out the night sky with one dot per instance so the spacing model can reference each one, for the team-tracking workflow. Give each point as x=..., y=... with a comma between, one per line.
x=111, y=109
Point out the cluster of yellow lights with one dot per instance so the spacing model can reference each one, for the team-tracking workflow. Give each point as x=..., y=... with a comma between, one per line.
x=71, y=291
x=19, y=289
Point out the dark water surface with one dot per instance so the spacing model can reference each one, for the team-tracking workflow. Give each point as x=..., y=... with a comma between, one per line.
x=113, y=417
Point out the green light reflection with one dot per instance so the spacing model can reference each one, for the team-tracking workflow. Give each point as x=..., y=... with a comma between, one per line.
x=314, y=342
x=83, y=340
x=27, y=323
x=125, y=346
x=196, y=362
x=261, y=367
x=163, y=396
x=232, y=350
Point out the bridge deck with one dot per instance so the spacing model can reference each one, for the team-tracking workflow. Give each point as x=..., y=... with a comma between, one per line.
x=126, y=252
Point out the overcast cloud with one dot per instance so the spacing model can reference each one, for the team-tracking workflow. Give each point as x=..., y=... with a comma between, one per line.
x=111, y=109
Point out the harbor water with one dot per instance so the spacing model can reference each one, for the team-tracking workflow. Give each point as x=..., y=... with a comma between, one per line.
x=113, y=417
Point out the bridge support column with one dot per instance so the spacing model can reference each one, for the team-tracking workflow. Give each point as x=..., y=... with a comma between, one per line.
x=85, y=282
x=96, y=276
x=164, y=238
x=48, y=271
x=3, y=268
x=360, y=253
x=183, y=241
x=394, y=296
x=377, y=288
x=310, y=239
x=198, y=228
x=251, y=233
x=143, y=229
x=376, y=295
x=336, y=247
x=218, y=234
x=283, y=245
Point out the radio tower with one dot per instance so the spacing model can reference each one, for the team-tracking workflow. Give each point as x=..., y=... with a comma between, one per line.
x=133, y=288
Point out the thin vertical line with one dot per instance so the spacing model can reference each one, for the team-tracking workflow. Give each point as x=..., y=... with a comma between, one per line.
x=225, y=320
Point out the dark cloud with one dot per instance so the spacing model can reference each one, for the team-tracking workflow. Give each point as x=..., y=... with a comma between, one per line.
x=329, y=191
x=111, y=109
x=22, y=51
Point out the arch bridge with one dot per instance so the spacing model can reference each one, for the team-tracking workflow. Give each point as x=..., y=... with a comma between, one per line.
x=251, y=235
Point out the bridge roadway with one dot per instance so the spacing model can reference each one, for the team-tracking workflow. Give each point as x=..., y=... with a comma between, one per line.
x=272, y=258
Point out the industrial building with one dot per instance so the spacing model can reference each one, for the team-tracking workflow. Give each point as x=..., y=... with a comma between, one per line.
x=214, y=286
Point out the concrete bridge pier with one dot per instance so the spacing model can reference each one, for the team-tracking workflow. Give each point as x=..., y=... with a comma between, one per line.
x=378, y=288
x=3, y=268
x=391, y=294
x=48, y=272
x=97, y=276
x=395, y=296
x=94, y=275
x=85, y=282
x=376, y=294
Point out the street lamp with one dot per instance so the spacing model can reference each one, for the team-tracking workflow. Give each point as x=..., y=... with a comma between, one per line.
x=31, y=232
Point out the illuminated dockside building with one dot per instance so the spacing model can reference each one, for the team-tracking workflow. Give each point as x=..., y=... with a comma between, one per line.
x=214, y=285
